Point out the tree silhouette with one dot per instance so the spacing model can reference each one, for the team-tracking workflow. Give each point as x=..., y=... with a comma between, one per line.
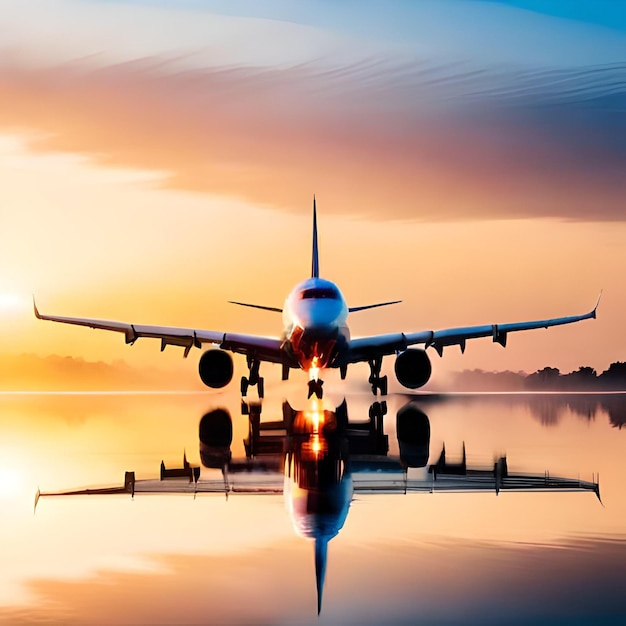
x=547, y=378
x=614, y=377
x=583, y=378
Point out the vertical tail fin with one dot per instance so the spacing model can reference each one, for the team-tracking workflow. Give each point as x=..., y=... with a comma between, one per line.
x=315, y=263
x=321, y=558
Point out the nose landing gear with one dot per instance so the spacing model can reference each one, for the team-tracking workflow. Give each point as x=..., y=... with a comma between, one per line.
x=253, y=378
x=377, y=381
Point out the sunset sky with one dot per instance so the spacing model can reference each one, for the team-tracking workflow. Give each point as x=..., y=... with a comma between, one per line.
x=160, y=158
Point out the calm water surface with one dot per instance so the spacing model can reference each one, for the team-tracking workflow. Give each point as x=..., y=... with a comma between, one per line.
x=431, y=558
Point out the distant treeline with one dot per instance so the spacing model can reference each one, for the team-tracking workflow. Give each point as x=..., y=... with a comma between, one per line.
x=547, y=379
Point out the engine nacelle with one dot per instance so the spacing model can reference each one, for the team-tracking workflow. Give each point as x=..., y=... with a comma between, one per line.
x=413, y=368
x=216, y=368
x=216, y=435
x=413, y=429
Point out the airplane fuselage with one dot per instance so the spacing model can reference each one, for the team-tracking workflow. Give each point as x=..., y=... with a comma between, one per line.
x=315, y=328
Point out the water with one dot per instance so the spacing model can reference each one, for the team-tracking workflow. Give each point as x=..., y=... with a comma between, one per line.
x=433, y=558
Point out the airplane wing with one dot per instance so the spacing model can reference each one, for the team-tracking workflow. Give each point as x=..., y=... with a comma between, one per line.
x=365, y=348
x=261, y=483
x=263, y=348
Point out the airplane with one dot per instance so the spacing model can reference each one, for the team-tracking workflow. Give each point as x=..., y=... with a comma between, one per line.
x=315, y=337
x=319, y=460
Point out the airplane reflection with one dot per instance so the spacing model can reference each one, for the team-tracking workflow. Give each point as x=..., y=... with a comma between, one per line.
x=318, y=459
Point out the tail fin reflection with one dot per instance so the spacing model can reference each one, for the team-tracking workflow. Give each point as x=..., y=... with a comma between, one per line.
x=321, y=558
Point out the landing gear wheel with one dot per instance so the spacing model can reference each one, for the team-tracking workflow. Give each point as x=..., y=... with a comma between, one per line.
x=253, y=378
x=315, y=387
x=379, y=383
x=382, y=385
x=261, y=387
x=378, y=410
x=376, y=380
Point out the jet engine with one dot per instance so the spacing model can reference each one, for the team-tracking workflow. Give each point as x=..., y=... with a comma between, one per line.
x=216, y=368
x=413, y=368
x=216, y=435
x=413, y=428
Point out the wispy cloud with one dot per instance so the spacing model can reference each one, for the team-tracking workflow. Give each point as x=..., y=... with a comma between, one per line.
x=426, y=141
x=413, y=127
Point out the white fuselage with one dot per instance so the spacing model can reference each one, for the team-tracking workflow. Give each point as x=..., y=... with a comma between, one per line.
x=314, y=317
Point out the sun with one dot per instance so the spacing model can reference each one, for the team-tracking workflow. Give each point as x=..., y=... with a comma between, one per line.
x=10, y=302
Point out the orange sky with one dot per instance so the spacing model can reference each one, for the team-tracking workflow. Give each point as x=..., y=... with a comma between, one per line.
x=152, y=181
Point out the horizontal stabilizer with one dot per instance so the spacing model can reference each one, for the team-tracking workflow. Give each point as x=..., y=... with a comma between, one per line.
x=257, y=306
x=352, y=309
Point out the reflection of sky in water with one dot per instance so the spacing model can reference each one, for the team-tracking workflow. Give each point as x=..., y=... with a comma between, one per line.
x=173, y=559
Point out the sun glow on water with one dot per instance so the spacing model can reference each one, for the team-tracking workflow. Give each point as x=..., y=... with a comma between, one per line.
x=314, y=370
x=315, y=419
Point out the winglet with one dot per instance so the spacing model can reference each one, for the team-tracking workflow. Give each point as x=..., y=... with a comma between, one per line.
x=37, y=313
x=315, y=263
x=595, y=308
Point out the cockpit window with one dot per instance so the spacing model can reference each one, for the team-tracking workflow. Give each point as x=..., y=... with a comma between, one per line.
x=318, y=293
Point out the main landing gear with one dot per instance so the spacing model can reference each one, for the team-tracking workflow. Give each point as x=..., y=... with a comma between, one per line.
x=315, y=387
x=377, y=381
x=253, y=378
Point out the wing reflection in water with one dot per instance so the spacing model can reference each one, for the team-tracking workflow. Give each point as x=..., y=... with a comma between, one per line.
x=319, y=458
